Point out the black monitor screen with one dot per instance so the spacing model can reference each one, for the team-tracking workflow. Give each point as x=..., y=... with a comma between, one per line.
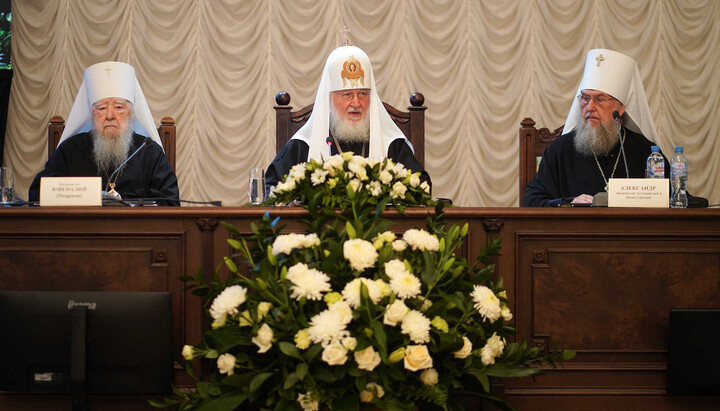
x=128, y=341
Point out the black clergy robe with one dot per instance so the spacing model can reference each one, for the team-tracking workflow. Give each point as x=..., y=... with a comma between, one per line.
x=296, y=151
x=565, y=174
x=147, y=175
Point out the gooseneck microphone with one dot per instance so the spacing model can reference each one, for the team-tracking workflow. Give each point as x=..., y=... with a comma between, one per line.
x=329, y=142
x=616, y=117
x=145, y=142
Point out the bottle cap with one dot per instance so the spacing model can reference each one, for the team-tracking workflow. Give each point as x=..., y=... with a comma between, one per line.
x=654, y=148
x=678, y=148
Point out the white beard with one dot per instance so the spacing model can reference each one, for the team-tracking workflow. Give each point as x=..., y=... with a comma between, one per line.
x=110, y=152
x=598, y=141
x=347, y=131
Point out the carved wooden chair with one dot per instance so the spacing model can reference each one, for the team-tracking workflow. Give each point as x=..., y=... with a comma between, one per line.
x=166, y=130
x=533, y=142
x=411, y=122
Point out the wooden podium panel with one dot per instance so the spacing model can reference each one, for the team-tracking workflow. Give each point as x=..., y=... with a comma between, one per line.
x=599, y=281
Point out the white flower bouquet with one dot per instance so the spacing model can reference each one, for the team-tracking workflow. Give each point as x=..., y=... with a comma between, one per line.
x=352, y=315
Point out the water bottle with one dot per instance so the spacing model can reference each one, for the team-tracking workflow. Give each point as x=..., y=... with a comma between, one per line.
x=655, y=164
x=678, y=179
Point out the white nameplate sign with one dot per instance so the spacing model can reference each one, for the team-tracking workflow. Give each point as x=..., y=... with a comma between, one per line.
x=639, y=192
x=70, y=191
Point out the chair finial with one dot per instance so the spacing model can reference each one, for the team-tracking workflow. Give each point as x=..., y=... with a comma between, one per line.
x=345, y=32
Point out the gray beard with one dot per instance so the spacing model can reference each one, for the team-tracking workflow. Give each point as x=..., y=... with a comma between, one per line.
x=110, y=152
x=348, y=132
x=595, y=141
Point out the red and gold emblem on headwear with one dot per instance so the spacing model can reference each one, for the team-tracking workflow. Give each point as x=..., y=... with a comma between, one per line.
x=353, y=73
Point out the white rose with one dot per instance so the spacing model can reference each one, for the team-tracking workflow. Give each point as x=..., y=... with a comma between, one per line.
x=334, y=354
x=355, y=184
x=417, y=357
x=343, y=312
x=371, y=391
x=307, y=403
x=493, y=348
x=398, y=190
x=429, y=376
x=188, y=352
x=415, y=180
x=395, y=313
x=226, y=364
x=506, y=314
x=367, y=359
x=264, y=338
x=425, y=186
x=385, y=177
x=349, y=343
x=466, y=349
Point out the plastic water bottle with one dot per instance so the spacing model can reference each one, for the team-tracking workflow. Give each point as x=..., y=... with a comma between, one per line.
x=655, y=164
x=678, y=179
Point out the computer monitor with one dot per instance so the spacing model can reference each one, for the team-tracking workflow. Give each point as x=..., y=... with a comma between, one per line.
x=693, y=363
x=121, y=342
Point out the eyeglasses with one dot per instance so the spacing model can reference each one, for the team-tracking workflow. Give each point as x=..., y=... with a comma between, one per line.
x=362, y=95
x=599, y=100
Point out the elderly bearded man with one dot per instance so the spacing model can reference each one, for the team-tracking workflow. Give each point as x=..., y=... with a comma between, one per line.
x=579, y=163
x=348, y=109
x=112, y=106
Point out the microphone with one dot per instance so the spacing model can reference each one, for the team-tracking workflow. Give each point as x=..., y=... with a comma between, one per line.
x=329, y=144
x=158, y=195
x=616, y=117
x=145, y=142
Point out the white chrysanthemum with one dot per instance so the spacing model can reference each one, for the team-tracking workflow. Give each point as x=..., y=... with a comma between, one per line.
x=405, y=285
x=374, y=188
x=416, y=326
x=506, y=314
x=285, y=243
x=421, y=240
x=227, y=303
x=351, y=292
x=327, y=326
x=355, y=184
x=492, y=349
x=307, y=282
x=318, y=177
x=425, y=186
x=386, y=177
x=297, y=172
x=360, y=253
x=415, y=180
x=399, y=245
x=486, y=302
x=395, y=267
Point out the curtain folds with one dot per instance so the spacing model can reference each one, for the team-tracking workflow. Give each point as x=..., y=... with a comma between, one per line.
x=216, y=65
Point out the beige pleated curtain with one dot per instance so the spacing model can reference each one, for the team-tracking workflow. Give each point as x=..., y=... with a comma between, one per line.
x=215, y=66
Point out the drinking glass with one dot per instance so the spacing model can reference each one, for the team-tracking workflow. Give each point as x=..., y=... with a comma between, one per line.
x=257, y=185
x=7, y=185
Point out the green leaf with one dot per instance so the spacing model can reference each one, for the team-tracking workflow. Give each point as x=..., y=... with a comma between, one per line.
x=380, y=337
x=290, y=380
x=225, y=338
x=482, y=378
x=510, y=370
x=289, y=349
x=567, y=354
x=229, y=401
x=301, y=370
x=270, y=256
x=231, y=228
x=350, y=402
x=313, y=352
x=240, y=380
x=259, y=380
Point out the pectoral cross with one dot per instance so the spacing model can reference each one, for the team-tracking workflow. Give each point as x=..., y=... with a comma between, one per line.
x=345, y=32
x=108, y=71
x=599, y=59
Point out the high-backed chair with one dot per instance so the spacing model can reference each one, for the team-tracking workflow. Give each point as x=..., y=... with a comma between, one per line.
x=411, y=122
x=166, y=130
x=533, y=142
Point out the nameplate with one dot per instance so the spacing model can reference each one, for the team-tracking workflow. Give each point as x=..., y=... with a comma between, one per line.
x=70, y=191
x=639, y=192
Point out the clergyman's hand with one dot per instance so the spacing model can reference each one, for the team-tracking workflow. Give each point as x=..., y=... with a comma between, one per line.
x=583, y=199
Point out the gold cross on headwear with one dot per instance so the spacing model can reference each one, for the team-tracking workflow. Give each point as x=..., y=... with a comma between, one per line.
x=108, y=71
x=600, y=59
x=345, y=32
